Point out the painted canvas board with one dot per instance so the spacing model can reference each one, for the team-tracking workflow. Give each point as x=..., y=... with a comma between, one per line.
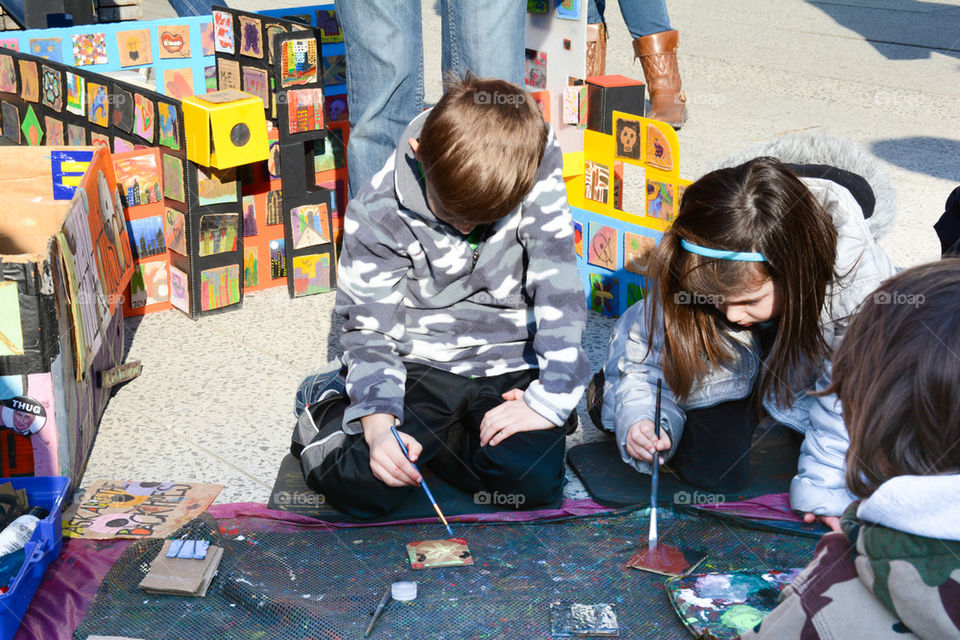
x=666, y=559
x=251, y=37
x=49, y=48
x=310, y=224
x=51, y=88
x=54, y=131
x=32, y=131
x=29, y=81
x=146, y=237
x=251, y=266
x=603, y=294
x=603, y=246
x=329, y=26
x=336, y=108
x=135, y=48
x=219, y=287
x=658, y=152
x=98, y=108
x=168, y=127
x=76, y=93
x=10, y=43
x=122, y=146
x=149, y=284
x=333, y=155
x=568, y=9
x=89, y=49
x=11, y=121
x=724, y=605
x=596, y=181
x=298, y=62
x=636, y=252
x=118, y=509
x=305, y=110
x=228, y=74
x=578, y=237
x=271, y=30
x=178, y=83
x=274, y=208
x=174, y=41
x=216, y=186
x=139, y=178
x=175, y=225
x=206, y=39
x=334, y=70
x=426, y=554
x=660, y=200
x=8, y=74
x=311, y=274
x=535, y=69
x=255, y=82
x=249, y=216
x=628, y=139
x=278, y=260
x=223, y=32
x=179, y=293
x=173, y=178
x=122, y=113
x=100, y=140
x=143, y=117
x=218, y=233
x=76, y=136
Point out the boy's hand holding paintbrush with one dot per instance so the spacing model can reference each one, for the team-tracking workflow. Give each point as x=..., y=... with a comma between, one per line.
x=387, y=461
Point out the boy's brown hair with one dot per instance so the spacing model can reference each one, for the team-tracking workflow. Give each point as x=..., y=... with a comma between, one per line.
x=481, y=147
x=897, y=375
x=759, y=206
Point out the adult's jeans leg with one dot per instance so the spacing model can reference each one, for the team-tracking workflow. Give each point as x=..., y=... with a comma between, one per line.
x=384, y=49
x=486, y=38
x=644, y=17
x=194, y=7
x=595, y=11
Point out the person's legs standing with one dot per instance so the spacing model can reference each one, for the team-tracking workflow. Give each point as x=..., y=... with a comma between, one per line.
x=486, y=38
x=644, y=17
x=384, y=48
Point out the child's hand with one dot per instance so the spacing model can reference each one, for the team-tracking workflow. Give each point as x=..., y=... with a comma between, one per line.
x=831, y=521
x=642, y=441
x=511, y=417
x=387, y=461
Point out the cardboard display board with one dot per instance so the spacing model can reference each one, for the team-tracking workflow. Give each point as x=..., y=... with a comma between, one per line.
x=66, y=263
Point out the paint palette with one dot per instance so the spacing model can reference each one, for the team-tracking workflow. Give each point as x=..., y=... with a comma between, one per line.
x=724, y=605
x=427, y=554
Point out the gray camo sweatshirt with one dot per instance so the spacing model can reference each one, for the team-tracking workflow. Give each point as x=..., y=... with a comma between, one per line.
x=412, y=289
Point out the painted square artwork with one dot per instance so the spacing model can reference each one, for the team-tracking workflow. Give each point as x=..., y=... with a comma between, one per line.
x=636, y=252
x=143, y=117
x=218, y=233
x=298, y=62
x=178, y=83
x=568, y=9
x=138, y=179
x=336, y=108
x=334, y=70
x=174, y=40
x=76, y=93
x=658, y=150
x=251, y=37
x=98, y=110
x=8, y=75
x=278, y=260
x=310, y=224
x=135, y=48
x=149, y=284
x=11, y=121
x=216, y=186
x=146, y=237
x=578, y=238
x=311, y=274
x=603, y=294
x=724, y=605
x=628, y=139
x=206, y=39
x=660, y=200
x=168, y=129
x=535, y=69
x=249, y=216
x=32, y=131
x=100, y=140
x=426, y=554
x=29, y=81
x=228, y=74
x=596, y=181
x=89, y=49
x=333, y=155
x=219, y=287
x=76, y=136
x=175, y=231
x=49, y=48
x=10, y=43
x=603, y=246
x=251, y=266
x=51, y=88
x=173, y=178
x=271, y=30
x=255, y=82
x=122, y=112
x=122, y=146
x=305, y=109
x=329, y=26
x=635, y=293
x=54, y=131
x=223, y=39
x=274, y=208
x=179, y=293
x=579, y=620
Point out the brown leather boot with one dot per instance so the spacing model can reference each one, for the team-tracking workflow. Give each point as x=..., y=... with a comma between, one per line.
x=596, y=49
x=658, y=57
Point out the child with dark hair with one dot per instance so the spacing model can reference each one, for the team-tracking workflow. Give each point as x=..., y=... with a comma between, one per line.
x=462, y=314
x=894, y=571
x=750, y=290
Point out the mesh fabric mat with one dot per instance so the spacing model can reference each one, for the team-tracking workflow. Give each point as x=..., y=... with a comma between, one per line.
x=325, y=584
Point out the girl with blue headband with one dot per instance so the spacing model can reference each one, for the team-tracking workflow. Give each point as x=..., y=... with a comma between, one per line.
x=749, y=292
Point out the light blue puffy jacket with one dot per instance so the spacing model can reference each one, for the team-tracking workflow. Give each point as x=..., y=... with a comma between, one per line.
x=631, y=373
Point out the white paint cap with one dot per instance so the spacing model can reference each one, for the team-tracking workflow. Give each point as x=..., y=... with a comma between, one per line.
x=404, y=591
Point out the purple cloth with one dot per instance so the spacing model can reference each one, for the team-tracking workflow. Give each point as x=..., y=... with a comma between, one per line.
x=72, y=580
x=773, y=506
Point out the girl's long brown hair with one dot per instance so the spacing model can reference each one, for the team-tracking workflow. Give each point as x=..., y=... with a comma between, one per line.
x=897, y=374
x=759, y=206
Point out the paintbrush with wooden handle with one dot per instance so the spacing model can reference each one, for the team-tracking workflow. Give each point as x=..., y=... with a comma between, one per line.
x=655, y=474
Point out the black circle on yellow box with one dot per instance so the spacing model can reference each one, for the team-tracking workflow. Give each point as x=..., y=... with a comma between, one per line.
x=22, y=414
x=240, y=134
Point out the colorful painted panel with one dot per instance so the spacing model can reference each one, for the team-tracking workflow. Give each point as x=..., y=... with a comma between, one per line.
x=604, y=295
x=173, y=178
x=305, y=108
x=216, y=186
x=138, y=177
x=179, y=296
x=149, y=284
x=135, y=48
x=219, y=287
x=660, y=201
x=596, y=181
x=278, y=260
x=311, y=274
x=603, y=246
x=636, y=252
x=174, y=40
x=298, y=62
x=628, y=139
x=146, y=237
x=251, y=266
x=218, y=233
x=89, y=49
x=310, y=225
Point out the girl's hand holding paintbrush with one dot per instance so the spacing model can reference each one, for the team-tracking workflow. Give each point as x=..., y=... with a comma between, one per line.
x=642, y=440
x=387, y=461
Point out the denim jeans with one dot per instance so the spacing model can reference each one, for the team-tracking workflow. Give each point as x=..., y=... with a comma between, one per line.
x=384, y=48
x=194, y=7
x=643, y=17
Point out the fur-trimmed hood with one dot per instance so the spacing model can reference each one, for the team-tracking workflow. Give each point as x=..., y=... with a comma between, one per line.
x=834, y=152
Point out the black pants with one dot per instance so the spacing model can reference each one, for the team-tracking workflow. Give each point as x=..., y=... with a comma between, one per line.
x=443, y=412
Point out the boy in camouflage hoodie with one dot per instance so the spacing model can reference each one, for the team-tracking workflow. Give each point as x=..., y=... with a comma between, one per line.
x=894, y=572
x=462, y=314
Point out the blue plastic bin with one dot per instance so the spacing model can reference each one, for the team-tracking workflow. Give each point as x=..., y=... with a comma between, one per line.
x=42, y=548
